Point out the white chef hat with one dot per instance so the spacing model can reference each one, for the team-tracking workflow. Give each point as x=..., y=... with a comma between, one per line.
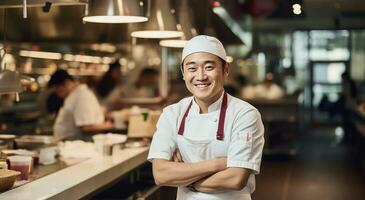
x=204, y=43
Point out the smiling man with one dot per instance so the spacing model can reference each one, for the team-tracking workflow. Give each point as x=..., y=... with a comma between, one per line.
x=208, y=145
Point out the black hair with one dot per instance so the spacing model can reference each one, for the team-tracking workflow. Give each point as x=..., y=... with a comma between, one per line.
x=54, y=103
x=353, y=89
x=59, y=78
x=147, y=71
x=242, y=79
x=107, y=83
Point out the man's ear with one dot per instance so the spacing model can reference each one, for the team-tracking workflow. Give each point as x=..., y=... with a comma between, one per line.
x=226, y=69
x=182, y=71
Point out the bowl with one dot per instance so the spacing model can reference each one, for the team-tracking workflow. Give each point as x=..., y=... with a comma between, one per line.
x=7, y=178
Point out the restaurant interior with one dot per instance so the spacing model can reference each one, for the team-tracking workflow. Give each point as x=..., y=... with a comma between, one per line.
x=301, y=63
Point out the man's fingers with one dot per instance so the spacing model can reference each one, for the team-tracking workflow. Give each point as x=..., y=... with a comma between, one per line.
x=175, y=158
x=178, y=155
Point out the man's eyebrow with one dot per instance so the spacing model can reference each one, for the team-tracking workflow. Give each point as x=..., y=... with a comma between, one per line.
x=205, y=62
x=209, y=62
x=190, y=63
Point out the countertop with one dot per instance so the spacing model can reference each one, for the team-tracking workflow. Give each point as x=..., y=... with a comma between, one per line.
x=77, y=181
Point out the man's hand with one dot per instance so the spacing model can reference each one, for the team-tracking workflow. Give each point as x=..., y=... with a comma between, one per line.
x=177, y=156
x=198, y=185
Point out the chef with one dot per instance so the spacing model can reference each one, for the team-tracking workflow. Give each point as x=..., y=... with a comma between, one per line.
x=208, y=145
x=81, y=114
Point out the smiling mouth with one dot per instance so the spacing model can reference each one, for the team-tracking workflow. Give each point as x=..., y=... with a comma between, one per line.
x=202, y=85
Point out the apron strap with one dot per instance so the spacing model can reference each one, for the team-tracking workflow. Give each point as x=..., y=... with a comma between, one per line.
x=222, y=117
x=182, y=124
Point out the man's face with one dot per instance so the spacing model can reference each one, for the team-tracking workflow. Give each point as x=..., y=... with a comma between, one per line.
x=204, y=76
x=61, y=90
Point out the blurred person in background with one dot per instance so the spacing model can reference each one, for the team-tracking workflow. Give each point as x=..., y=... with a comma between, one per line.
x=146, y=84
x=109, y=89
x=269, y=89
x=208, y=145
x=81, y=114
x=247, y=90
x=347, y=103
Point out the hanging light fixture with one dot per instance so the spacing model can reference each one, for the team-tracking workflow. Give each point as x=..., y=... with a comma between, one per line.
x=186, y=25
x=10, y=81
x=162, y=23
x=173, y=43
x=116, y=11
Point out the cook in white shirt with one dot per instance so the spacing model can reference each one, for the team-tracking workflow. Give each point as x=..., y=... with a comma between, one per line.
x=209, y=145
x=81, y=114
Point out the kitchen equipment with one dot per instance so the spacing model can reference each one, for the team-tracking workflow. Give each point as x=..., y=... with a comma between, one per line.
x=104, y=142
x=143, y=124
x=7, y=141
x=34, y=141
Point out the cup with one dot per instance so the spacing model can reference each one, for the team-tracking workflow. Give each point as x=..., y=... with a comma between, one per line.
x=21, y=164
x=102, y=144
x=47, y=155
x=107, y=150
x=119, y=121
x=99, y=141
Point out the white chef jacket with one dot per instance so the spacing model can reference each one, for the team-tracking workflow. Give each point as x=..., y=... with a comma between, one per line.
x=243, y=129
x=80, y=107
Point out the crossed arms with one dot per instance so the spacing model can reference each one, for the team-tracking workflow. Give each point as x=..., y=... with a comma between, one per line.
x=210, y=176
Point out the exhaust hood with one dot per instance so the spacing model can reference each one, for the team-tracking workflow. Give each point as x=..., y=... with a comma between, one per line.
x=32, y=3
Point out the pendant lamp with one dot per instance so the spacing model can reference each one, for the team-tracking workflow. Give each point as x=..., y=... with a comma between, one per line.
x=11, y=81
x=116, y=11
x=186, y=25
x=161, y=23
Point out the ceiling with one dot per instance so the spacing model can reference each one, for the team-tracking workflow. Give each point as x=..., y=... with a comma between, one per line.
x=316, y=14
x=63, y=24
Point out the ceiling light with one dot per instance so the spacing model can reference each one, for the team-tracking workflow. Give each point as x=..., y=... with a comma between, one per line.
x=156, y=34
x=161, y=24
x=40, y=54
x=173, y=43
x=186, y=25
x=297, y=9
x=296, y=6
x=297, y=12
x=116, y=11
x=229, y=59
x=10, y=82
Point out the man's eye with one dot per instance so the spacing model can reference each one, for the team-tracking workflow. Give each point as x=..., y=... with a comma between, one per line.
x=191, y=69
x=209, y=68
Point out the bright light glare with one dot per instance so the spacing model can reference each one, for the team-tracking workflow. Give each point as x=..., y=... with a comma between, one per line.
x=156, y=34
x=115, y=19
x=297, y=12
x=40, y=54
x=229, y=59
x=297, y=9
x=296, y=6
x=173, y=43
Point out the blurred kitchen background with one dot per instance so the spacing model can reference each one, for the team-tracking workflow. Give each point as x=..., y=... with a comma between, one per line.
x=312, y=51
